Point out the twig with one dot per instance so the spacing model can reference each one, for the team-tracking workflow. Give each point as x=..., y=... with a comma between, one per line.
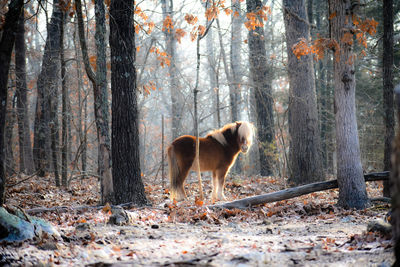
x=191, y=261
x=23, y=180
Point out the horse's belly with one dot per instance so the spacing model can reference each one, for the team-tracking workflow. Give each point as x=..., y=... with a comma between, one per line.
x=205, y=166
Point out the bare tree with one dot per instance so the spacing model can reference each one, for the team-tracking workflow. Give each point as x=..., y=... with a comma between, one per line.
x=47, y=86
x=25, y=146
x=6, y=46
x=128, y=185
x=388, y=99
x=395, y=182
x=352, y=189
x=213, y=74
x=99, y=82
x=261, y=82
x=305, y=163
x=236, y=72
x=174, y=85
x=65, y=113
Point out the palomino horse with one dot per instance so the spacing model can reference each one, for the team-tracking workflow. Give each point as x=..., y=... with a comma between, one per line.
x=218, y=151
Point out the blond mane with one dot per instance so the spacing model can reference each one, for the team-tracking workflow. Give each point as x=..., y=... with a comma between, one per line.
x=245, y=130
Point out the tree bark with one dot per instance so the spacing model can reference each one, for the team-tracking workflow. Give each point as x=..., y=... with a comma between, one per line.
x=128, y=185
x=47, y=85
x=305, y=146
x=352, y=189
x=395, y=185
x=6, y=46
x=9, y=132
x=82, y=103
x=174, y=85
x=99, y=81
x=226, y=67
x=25, y=146
x=236, y=72
x=261, y=77
x=102, y=107
x=65, y=113
x=388, y=99
x=213, y=74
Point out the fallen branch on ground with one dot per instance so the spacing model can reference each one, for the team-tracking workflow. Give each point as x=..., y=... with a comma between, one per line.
x=78, y=208
x=293, y=192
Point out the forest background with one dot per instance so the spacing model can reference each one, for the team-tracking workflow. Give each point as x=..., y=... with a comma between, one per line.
x=93, y=92
x=55, y=127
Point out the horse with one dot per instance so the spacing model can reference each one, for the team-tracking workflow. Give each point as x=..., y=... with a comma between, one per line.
x=217, y=153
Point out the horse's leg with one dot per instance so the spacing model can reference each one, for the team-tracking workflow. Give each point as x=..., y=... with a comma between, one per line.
x=221, y=174
x=181, y=194
x=214, y=186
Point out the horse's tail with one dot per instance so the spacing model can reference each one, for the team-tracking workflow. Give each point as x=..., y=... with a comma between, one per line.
x=173, y=171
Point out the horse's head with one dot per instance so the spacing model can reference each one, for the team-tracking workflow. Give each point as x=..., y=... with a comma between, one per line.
x=245, y=135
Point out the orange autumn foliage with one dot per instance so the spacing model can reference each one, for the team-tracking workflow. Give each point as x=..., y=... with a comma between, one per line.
x=168, y=25
x=320, y=45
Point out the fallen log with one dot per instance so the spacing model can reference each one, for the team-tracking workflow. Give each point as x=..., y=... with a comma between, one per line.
x=293, y=192
x=84, y=208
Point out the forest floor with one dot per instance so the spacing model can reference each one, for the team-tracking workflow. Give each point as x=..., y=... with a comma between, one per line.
x=304, y=231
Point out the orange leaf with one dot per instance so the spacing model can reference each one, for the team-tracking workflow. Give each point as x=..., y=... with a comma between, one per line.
x=228, y=11
x=202, y=29
x=115, y=248
x=106, y=208
x=332, y=15
x=190, y=19
x=212, y=12
x=179, y=33
x=347, y=38
x=92, y=60
x=167, y=24
x=198, y=202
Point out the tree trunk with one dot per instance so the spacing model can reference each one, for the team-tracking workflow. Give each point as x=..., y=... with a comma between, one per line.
x=47, y=85
x=6, y=46
x=395, y=182
x=352, y=189
x=25, y=146
x=128, y=185
x=65, y=113
x=102, y=107
x=261, y=77
x=100, y=97
x=226, y=67
x=10, y=123
x=213, y=74
x=388, y=99
x=304, y=155
x=174, y=85
x=236, y=73
x=82, y=103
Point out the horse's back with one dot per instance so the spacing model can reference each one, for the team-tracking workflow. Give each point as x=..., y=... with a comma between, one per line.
x=211, y=152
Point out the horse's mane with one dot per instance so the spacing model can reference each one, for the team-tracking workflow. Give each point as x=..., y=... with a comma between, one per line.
x=245, y=130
